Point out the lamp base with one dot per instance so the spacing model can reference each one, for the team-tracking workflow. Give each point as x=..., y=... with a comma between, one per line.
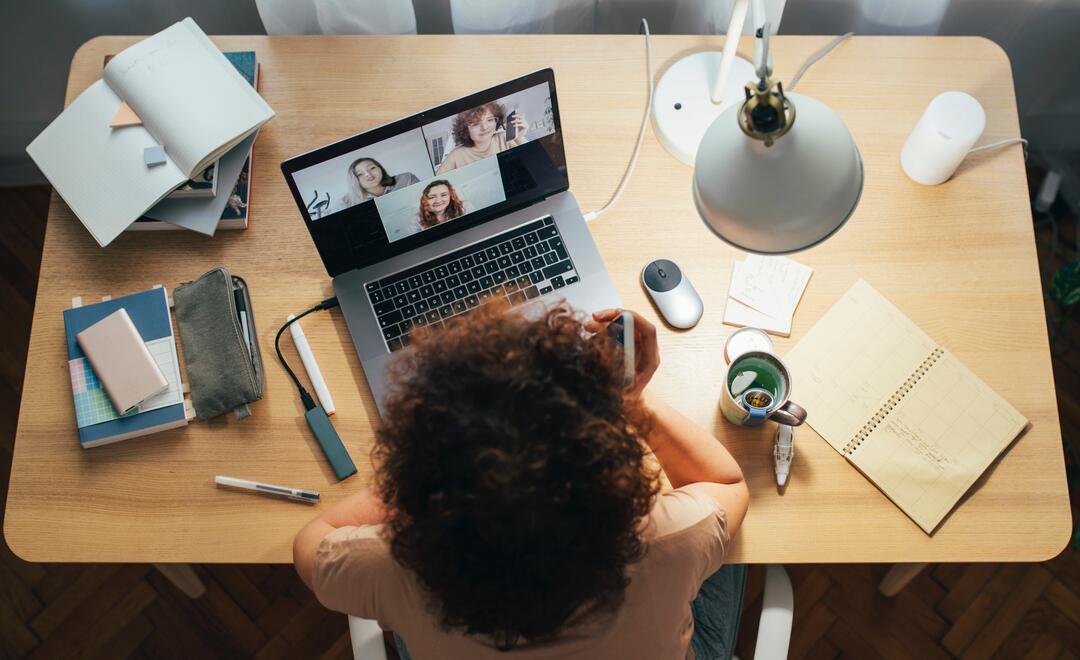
x=682, y=101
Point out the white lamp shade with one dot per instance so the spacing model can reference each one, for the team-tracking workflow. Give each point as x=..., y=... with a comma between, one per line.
x=781, y=198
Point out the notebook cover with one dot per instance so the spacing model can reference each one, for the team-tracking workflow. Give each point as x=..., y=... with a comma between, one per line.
x=149, y=312
x=909, y=415
x=121, y=360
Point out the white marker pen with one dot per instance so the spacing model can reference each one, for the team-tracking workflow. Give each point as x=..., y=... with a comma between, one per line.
x=312, y=367
x=296, y=494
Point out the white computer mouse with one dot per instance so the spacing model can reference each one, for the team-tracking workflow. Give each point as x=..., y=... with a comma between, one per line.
x=675, y=297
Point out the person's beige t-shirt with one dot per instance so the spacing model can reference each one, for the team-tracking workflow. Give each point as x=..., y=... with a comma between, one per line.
x=464, y=155
x=687, y=538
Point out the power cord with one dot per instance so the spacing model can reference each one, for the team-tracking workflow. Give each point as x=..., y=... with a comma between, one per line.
x=592, y=215
x=815, y=58
x=1002, y=143
x=305, y=397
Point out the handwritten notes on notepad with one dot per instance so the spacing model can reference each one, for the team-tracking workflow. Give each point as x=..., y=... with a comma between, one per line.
x=764, y=293
x=902, y=409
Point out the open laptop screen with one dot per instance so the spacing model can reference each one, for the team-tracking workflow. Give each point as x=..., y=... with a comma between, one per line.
x=416, y=180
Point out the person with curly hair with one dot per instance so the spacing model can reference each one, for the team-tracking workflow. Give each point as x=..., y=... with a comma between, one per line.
x=480, y=133
x=439, y=202
x=517, y=510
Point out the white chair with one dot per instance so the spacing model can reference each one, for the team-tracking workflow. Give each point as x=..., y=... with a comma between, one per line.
x=367, y=639
x=773, y=637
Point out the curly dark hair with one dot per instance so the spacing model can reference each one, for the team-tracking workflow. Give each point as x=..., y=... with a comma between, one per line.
x=460, y=129
x=515, y=473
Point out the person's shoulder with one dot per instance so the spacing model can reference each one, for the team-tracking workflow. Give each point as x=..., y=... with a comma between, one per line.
x=353, y=547
x=355, y=573
x=688, y=528
x=405, y=179
x=691, y=507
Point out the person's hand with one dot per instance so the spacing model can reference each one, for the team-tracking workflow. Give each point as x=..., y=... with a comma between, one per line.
x=521, y=125
x=646, y=350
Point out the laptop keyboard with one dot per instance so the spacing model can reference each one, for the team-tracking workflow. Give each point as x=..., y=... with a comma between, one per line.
x=517, y=265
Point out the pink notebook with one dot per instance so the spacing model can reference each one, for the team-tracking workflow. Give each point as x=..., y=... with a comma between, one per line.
x=121, y=361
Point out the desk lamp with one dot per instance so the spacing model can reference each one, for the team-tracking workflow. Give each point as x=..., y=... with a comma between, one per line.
x=766, y=182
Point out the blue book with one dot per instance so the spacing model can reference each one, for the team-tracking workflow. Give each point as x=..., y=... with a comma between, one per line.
x=98, y=420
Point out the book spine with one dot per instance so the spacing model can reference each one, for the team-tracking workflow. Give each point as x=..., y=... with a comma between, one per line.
x=894, y=400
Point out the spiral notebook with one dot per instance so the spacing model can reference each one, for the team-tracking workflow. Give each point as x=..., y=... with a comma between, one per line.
x=902, y=409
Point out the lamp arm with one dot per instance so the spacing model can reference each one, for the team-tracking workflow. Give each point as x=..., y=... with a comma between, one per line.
x=731, y=43
x=762, y=28
x=762, y=52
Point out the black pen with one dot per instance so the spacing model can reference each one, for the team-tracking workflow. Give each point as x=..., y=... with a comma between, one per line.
x=242, y=314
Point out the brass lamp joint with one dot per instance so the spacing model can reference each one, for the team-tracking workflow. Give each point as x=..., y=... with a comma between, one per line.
x=767, y=113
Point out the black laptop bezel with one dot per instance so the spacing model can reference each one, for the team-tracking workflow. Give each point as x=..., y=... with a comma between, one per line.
x=415, y=121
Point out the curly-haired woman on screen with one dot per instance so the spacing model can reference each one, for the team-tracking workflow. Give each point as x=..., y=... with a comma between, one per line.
x=480, y=133
x=439, y=203
x=517, y=512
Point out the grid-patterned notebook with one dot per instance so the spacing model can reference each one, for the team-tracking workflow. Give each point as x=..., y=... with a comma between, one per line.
x=97, y=420
x=902, y=409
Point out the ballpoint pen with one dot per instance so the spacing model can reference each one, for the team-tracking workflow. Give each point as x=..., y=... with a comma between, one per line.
x=295, y=494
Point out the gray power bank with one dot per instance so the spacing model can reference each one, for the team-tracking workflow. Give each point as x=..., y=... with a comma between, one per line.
x=330, y=443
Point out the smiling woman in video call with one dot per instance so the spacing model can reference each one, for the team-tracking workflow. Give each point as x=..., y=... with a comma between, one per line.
x=370, y=179
x=480, y=133
x=438, y=203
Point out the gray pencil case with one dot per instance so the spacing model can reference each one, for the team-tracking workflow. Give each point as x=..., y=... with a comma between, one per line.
x=221, y=350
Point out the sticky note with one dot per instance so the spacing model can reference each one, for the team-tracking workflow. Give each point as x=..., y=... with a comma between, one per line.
x=125, y=116
x=771, y=285
x=154, y=155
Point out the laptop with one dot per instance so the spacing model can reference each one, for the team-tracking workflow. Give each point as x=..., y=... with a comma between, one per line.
x=423, y=219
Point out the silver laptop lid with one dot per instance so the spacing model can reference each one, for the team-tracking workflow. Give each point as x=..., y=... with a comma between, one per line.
x=414, y=181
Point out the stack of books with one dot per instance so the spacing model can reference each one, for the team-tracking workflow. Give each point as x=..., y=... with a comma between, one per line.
x=231, y=204
x=99, y=421
x=171, y=114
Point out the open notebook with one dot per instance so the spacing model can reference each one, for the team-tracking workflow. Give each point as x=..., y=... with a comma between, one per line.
x=901, y=408
x=191, y=100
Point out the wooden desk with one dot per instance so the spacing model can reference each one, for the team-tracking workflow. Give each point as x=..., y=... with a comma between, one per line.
x=959, y=259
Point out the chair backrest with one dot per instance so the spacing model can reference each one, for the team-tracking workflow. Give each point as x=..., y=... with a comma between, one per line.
x=367, y=639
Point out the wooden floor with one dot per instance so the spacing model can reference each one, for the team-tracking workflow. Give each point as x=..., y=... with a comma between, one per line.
x=120, y=611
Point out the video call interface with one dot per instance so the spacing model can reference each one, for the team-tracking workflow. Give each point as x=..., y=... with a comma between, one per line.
x=365, y=205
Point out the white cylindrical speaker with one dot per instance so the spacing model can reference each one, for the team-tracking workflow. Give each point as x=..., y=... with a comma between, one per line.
x=946, y=131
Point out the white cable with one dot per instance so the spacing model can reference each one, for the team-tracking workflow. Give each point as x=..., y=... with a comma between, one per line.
x=1002, y=143
x=813, y=59
x=592, y=215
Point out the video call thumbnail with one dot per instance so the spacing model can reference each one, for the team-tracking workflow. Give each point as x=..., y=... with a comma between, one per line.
x=434, y=174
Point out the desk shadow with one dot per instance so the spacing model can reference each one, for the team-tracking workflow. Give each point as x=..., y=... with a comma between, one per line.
x=348, y=349
x=752, y=448
x=162, y=445
x=981, y=481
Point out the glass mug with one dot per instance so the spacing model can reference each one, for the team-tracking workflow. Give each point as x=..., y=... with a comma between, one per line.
x=756, y=387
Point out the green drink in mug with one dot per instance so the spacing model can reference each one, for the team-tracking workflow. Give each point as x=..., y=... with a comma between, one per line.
x=757, y=386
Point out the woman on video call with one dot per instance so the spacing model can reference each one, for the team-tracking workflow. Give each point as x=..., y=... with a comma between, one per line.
x=370, y=179
x=480, y=133
x=438, y=203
